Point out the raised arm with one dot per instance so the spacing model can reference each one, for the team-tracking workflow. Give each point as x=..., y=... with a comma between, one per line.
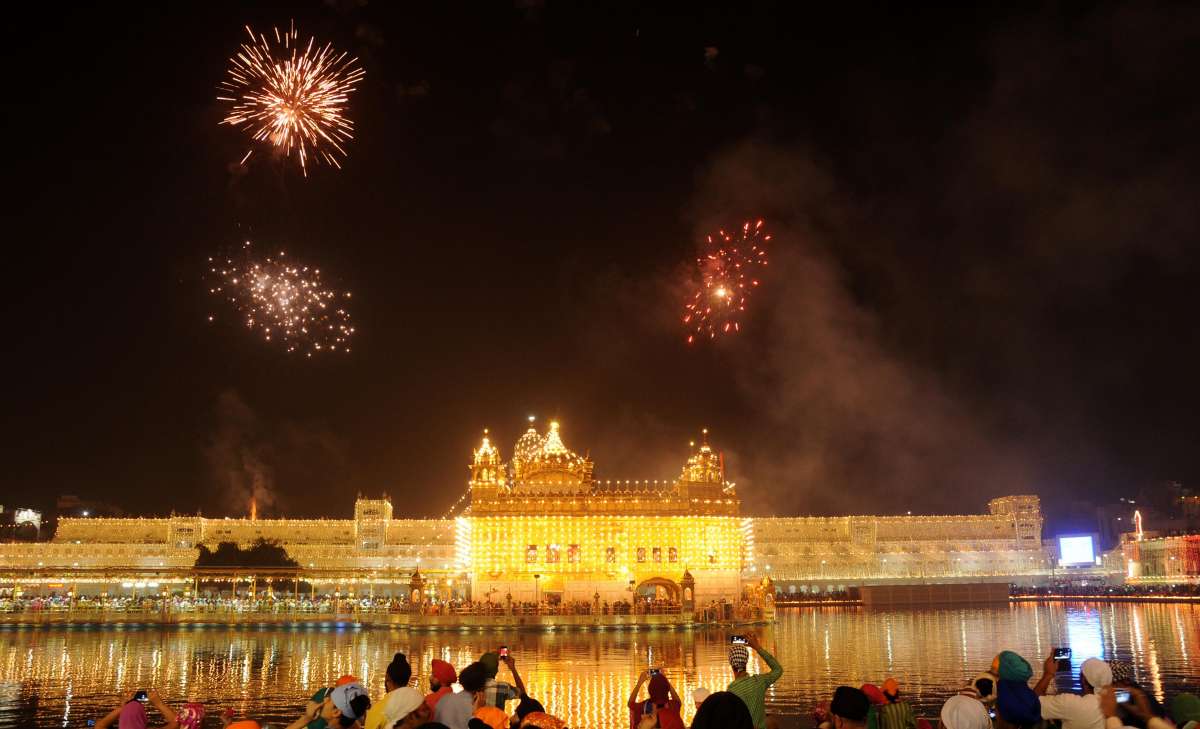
x=108, y=719
x=512, y=668
x=167, y=712
x=310, y=712
x=776, y=670
x=633, y=697
x=672, y=692
x=1049, y=669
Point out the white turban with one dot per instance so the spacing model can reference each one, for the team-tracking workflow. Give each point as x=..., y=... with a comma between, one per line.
x=1097, y=672
x=964, y=712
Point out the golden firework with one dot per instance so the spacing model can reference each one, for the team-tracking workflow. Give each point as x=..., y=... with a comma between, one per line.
x=291, y=97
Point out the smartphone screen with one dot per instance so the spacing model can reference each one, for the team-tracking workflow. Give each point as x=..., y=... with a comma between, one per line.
x=655, y=671
x=504, y=651
x=1062, y=654
x=737, y=639
x=1123, y=696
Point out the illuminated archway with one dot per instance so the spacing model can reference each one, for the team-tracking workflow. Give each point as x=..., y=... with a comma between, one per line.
x=659, y=588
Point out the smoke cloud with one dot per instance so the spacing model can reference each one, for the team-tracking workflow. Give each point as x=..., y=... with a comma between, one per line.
x=250, y=458
x=942, y=311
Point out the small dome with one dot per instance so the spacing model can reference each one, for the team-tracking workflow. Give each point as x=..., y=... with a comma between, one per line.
x=545, y=464
x=553, y=445
x=527, y=449
x=486, y=453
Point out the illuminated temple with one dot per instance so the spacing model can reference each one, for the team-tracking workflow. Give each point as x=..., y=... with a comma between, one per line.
x=544, y=524
x=540, y=526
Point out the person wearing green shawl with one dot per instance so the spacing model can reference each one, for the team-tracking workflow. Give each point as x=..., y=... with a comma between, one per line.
x=1185, y=710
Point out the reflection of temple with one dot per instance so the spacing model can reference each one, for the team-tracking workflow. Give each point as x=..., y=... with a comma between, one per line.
x=542, y=527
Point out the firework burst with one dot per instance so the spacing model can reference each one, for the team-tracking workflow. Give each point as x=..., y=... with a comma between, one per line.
x=283, y=301
x=725, y=278
x=292, y=96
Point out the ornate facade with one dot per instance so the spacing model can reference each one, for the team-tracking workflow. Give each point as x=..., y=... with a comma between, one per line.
x=540, y=525
x=1165, y=560
x=801, y=551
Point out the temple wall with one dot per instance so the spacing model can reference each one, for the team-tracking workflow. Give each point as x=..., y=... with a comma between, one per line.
x=577, y=553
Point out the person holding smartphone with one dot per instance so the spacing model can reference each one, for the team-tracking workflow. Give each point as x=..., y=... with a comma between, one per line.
x=661, y=709
x=752, y=689
x=132, y=713
x=1076, y=711
x=1130, y=695
x=1136, y=703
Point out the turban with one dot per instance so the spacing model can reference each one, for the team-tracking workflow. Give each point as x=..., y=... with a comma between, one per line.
x=1097, y=672
x=964, y=712
x=1013, y=667
x=739, y=656
x=1017, y=703
x=444, y=672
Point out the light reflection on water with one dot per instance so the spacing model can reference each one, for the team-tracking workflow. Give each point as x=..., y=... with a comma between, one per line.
x=62, y=677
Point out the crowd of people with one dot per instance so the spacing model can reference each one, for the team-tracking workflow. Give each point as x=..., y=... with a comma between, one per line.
x=283, y=602
x=1003, y=696
x=1104, y=590
x=262, y=602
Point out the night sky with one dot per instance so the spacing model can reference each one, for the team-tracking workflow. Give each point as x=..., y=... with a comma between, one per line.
x=982, y=280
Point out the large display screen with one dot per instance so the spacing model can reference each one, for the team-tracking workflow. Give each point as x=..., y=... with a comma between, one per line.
x=1077, y=550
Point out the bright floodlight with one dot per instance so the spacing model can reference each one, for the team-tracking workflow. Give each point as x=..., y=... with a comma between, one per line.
x=1076, y=550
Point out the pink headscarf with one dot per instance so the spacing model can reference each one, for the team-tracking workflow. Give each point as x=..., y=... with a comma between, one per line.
x=133, y=716
x=191, y=716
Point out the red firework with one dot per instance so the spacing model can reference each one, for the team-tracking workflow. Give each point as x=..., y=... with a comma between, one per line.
x=727, y=268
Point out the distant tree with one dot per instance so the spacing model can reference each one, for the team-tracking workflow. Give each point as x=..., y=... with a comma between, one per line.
x=263, y=553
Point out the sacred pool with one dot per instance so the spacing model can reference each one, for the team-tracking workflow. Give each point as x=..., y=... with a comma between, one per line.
x=63, y=676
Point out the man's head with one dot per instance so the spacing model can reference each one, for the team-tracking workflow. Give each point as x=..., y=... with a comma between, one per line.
x=891, y=689
x=1016, y=705
x=527, y=706
x=1122, y=673
x=723, y=710
x=1094, y=674
x=1010, y=666
x=982, y=688
x=398, y=672
x=874, y=695
x=474, y=677
x=345, y=704
x=964, y=712
x=739, y=656
x=491, y=662
x=404, y=705
x=441, y=674
x=849, y=707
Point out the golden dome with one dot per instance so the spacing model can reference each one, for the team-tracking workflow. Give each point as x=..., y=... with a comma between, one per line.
x=545, y=464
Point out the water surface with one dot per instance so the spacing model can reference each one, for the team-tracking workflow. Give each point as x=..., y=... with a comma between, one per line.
x=61, y=677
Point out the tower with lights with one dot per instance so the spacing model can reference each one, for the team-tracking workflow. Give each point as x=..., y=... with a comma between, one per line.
x=551, y=530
